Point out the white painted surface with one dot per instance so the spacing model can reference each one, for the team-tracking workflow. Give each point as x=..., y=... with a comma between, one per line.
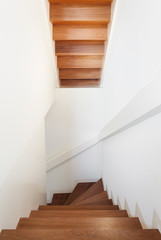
x=73, y=119
x=26, y=92
x=24, y=189
x=132, y=170
x=133, y=55
x=70, y=153
x=131, y=159
x=144, y=105
x=83, y=167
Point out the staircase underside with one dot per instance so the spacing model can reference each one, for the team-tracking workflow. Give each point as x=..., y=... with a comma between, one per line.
x=80, y=31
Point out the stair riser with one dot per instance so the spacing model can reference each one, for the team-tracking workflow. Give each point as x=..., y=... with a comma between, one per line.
x=79, y=223
x=75, y=213
x=69, y=13
x=80, y=234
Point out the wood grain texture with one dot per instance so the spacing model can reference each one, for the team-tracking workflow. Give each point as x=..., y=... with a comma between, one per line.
x=80, y=13
x=80, y=61
x=80, y=32
x=80, y=235
x=79, y=213
x=79, y=223
x=82, y=207
x=78, y=190
x=60, y=198
x=81, y=1
x=80, y=28
x=69, y=48
x=78, y=83
x=100, y=199
x=80, y=73
x=95, y=189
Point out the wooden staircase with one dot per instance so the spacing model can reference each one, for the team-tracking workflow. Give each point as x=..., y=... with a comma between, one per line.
x=80, y=31
x=86, y=214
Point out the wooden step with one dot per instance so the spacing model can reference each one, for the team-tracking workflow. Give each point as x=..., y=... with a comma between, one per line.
x=60, y=198
x=78, y=190
x=80, y=13
x=81, y=1
x=79, y=213
x=100, y=198
x=79, y=73
x=80, y=61
x=80, y=32
x=95, y=189
x=80, y=234
x=78, y=83
x=78, y=48
x=82, y=207
x=79, y=223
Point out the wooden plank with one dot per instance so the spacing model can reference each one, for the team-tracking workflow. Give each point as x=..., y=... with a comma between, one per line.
x=80, y=13
x=95, y=189
x=78, y=190
x=98, y=199
x=81, y=1
x=82, y=73
x=82, y=207
x=68, y=48
x=78, y=83
x=60, y=198
x=79, y=213
x=80, y=234
x=79, y=223
x=80, y=61
x=80, y=32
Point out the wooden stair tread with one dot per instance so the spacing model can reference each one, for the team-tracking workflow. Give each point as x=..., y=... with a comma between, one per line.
x=80, y=61
x=79, y=83
x=80, y=234
x=79, y=73
x=80, y=32
x=79, y=223
x=80, y=1
x=81, y=207
x=78, y=190
x=80, y=13
x=100, y=198
x=95, y=189
x=70, y=48
x=80, y=213
x=60, y=198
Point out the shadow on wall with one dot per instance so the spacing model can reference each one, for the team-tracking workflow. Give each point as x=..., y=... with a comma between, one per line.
x=156, y=221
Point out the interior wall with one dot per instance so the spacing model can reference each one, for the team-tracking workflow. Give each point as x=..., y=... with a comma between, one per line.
x=131, y=159
x=73, y=119
x=131, y=170
x=85, y=167
x=27, y=79
x=133, y=54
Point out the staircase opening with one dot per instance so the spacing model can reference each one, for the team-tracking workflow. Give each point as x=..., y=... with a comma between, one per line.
x=80, y=32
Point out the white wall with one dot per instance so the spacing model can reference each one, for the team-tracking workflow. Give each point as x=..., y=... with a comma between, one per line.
x=85, y=167
x=132, y=170
x=27, y=78
x=133, y=54
x=131, y=159
x=73, y=119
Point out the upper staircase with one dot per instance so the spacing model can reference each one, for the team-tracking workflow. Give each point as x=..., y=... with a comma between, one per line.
x=80, y=31
x=84, y=214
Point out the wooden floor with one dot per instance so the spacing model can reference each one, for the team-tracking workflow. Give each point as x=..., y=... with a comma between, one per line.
x=80, y=215
x=80, y=31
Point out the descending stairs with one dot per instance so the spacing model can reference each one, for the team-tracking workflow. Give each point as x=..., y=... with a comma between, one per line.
x=84, y=214
x=80, y=31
